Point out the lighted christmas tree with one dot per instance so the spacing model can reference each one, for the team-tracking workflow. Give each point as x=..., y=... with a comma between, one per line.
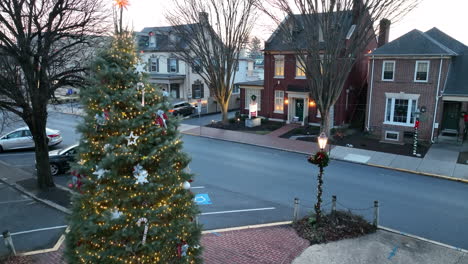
x=134, y=203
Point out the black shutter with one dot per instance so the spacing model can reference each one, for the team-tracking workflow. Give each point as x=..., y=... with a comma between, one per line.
x=177, y=65
x=168, y=66
x=149, y=65
x=157, y=65
x=202, y=91
x=193, y=90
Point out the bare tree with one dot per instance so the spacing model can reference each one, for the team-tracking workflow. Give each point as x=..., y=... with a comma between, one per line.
x=255, y=48
x=329, y=37
x=39, y=44
x=214, y=33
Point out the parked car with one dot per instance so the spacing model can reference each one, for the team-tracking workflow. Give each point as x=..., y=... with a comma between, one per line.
x=21, y=138
x=60, y=159
x=182, y=108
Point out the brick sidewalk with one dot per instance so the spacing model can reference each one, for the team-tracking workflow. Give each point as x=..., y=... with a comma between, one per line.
x=266, y=245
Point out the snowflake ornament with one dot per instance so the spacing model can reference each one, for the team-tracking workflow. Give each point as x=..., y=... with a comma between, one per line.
x=140, y=68
x=140, y=174
x=116, y=214
x=100, y=172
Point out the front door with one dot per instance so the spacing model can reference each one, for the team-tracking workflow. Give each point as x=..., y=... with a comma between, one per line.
x=300, y=109
x=175, y=93
x=451, y=116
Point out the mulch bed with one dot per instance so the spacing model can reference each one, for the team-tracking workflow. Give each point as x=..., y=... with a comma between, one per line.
x=334, y=226
x=305, y=130
x=463, y=158
x=361, y=141
x=240, y=126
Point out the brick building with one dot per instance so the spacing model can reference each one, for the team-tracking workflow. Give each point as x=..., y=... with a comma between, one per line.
x=284, y=96
x=419, y=75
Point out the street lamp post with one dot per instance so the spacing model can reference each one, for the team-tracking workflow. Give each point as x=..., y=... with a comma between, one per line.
x=320, y=159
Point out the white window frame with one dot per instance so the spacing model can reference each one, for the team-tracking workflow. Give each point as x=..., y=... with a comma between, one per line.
x=236, y=89
x=416, y=70
x=170, y=65
x=300, y=69
x=154, y=62
x=393, y=97
x=392, y=132
x=383, y=71
x=248, y=94
x=279, y=101
x=278, y=58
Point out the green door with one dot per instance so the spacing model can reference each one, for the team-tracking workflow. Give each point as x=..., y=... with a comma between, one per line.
x=451, y=116
x=300, y=109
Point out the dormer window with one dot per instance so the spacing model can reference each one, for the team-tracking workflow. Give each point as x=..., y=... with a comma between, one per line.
x=421, y=72
x=152, y=40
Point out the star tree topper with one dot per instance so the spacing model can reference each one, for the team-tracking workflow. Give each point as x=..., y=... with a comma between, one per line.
x=132, y=139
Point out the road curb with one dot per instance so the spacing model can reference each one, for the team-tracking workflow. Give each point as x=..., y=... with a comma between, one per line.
x=245, y=227
x=422, y=239
x=32, y=195
x=48, y=250
x=444, y=177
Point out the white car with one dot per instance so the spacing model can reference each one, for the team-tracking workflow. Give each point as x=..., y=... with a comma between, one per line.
x=22, y=138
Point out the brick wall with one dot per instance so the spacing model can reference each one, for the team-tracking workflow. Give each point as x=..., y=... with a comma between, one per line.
x=404, y=83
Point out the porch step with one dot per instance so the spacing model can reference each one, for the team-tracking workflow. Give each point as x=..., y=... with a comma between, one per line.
x=449, y=132
x=448, y=140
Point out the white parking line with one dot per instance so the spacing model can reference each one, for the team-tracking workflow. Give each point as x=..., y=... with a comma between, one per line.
x=37, y=230
x=239, y=211
x=198, y=187
x=16, y=201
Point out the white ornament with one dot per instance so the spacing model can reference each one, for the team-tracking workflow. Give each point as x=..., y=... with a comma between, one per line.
x=131, y=139
x=184, y=250
x=140, y=68
x=140, y=174
x=186, y=185
x=107, y=147
x=101, y=119
x=196, y=247
x=100, y=172
x=116, y=214
x=141, y=86
x=143, y=220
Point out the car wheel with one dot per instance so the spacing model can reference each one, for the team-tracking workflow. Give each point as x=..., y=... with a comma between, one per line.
x=1, y=149
x=54, y=169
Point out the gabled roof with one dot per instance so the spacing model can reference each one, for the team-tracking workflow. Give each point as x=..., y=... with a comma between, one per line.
x=163, y=42
x=279, y=40
x=457, y=80
x=431, y=43
x=251, y=83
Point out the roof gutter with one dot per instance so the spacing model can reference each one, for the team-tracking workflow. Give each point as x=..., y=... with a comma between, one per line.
x=370, y=94
x=436, y=100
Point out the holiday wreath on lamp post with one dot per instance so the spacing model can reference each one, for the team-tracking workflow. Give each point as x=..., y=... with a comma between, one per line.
x=320, y=159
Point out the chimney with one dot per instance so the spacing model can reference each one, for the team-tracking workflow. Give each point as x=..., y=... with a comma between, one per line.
x=203, y=18
x=384, y=32
x=357, y=9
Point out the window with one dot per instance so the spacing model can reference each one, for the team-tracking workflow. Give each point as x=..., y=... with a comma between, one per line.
x=400, y=111
x=197, y=66
x=172, y=65
x=421, y=72
x=279, y=102
x=248, y=97
x=279, y=66
x=154, y=65
x=197, y=90
x=16, y=134
x=235, y=89
x=392, y=135
x=388, y=70
x=300, y=69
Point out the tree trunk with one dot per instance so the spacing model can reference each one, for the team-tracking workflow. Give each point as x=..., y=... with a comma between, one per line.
x=224, y=112
x=44, y=177
x=325, y=122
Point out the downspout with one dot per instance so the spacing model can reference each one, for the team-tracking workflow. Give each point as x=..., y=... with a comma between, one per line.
x=370, y=95
x=436, y=101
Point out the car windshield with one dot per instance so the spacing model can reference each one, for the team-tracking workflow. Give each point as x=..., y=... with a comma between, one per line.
x=67, y=149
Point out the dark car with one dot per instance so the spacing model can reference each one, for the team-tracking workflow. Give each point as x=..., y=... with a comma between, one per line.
x=60, y=159
x=182, y=108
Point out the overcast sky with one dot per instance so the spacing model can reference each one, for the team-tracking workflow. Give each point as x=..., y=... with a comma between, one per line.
x=449, y=16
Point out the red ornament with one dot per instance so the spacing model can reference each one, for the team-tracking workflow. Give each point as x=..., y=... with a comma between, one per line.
x=190, y=180
x=161, y=119
x=416, y=124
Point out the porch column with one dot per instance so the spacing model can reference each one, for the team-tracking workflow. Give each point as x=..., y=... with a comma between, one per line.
x=289, y=109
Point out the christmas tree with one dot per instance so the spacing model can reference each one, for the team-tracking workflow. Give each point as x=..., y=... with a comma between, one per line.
x=133, y=203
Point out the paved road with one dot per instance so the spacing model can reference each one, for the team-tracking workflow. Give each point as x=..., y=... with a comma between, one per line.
x=264, y=181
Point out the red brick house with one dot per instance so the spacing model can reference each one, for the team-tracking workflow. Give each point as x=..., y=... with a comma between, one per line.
x=283, y=95
x=421, y=74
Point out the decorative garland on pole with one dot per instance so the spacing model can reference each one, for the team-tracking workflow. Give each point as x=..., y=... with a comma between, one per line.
x=320, y=159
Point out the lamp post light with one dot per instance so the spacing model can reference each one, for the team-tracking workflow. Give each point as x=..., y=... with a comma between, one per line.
x=320, y=159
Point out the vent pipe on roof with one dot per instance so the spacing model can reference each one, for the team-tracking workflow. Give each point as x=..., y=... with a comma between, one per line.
x=203, y=18
x=384, y=32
